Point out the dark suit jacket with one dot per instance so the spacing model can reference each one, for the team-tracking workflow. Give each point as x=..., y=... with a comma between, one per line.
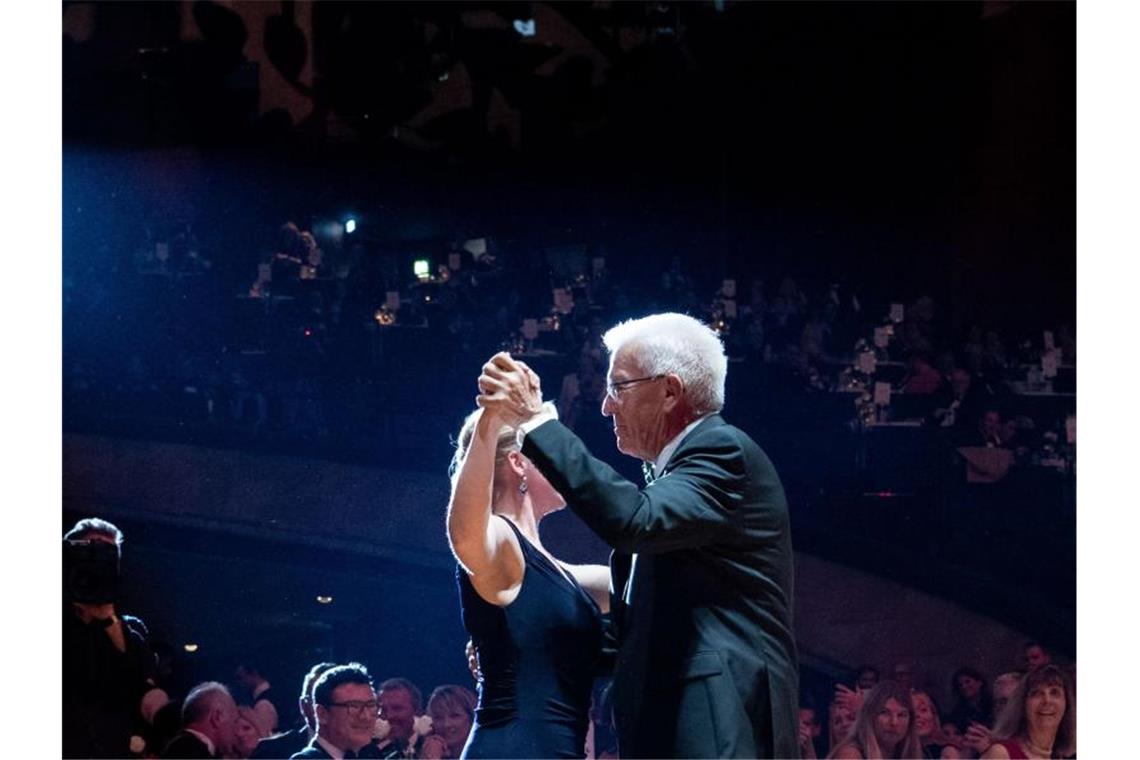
x=281, y=747
x=186, y=746
x=312, y=752
x=706, y=665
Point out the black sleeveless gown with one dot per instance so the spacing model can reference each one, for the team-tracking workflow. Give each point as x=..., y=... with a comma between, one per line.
x=538, y=656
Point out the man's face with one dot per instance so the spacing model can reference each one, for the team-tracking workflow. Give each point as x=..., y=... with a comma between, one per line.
x=867, y=679
x=347, y=721
x=1035, y=657
x=225, y=728
x=636, y=408
x=245, y=677
x=902, y=675
x=396, y=708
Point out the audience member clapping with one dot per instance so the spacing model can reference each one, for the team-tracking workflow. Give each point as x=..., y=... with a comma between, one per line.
x=810, y=730
x=884, y=727
x=840, y=721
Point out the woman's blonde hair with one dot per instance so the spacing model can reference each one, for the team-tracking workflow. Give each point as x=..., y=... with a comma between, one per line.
x=506, y=441
x=863, y=732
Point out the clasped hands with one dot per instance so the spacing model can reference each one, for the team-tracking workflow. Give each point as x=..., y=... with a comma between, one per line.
x=509, y=390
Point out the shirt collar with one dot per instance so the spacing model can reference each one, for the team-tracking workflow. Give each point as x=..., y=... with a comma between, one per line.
x=667, y=452
x=334, y=752
x=204, y=739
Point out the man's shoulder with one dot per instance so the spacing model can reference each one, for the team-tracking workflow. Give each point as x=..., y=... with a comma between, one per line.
x=185, y=745
x=280, y=746
x=714, y=432
x=311, y=751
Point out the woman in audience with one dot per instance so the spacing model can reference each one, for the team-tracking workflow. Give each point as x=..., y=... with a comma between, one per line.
x=1040, y=720
x=975, y=704
x=840, y=719
x=452, y=711
x=928, y=726
x=884, y=727
x=247, y=732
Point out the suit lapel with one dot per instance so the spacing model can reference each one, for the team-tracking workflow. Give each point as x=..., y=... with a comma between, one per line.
x=713, y=420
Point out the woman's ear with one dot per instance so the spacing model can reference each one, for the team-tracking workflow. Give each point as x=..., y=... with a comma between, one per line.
x=517, y=463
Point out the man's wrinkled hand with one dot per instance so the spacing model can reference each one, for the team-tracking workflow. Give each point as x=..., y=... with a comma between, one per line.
x=509, y=390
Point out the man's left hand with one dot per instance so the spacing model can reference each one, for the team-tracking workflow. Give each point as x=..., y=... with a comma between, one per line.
x=509, y=389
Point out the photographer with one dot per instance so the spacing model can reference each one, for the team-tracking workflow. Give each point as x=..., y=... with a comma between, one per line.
x=108, y=666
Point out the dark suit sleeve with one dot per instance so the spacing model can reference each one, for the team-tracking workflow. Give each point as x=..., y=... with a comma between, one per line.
x=693, y=505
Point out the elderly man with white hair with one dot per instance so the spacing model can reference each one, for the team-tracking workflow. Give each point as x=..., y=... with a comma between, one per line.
x=702, y=562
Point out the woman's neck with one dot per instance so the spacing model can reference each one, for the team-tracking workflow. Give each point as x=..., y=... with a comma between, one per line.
x=521, y=513
x=1039, y=742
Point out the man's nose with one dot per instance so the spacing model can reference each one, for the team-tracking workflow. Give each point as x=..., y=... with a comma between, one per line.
x=607, y=405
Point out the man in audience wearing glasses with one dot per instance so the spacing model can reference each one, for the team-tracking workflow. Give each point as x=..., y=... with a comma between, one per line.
x=346, y=711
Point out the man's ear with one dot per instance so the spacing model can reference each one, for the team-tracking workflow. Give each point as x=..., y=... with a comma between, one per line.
x=674, y=390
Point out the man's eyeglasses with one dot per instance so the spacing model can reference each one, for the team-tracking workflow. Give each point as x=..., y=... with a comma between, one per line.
x=359, y=708
x=613, y=390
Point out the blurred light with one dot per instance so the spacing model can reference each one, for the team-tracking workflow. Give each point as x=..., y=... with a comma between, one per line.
x=322, y=599
x=525, y=28
x=422, y=268
x=308, y=332
x=191, y=648
x=350, y=226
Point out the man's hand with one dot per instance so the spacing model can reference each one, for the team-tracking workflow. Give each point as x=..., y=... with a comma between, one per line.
x=509, y=390
x=473, y=661
x=851, y=699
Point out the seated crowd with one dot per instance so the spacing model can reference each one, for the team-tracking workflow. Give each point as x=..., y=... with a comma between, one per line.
x=320, y=317
x=116, y=702
x=1028, y=713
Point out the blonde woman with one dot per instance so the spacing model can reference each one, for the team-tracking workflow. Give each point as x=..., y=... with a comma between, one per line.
x=535, y=621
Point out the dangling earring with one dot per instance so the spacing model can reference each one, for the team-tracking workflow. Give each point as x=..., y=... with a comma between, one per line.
x=522, y=485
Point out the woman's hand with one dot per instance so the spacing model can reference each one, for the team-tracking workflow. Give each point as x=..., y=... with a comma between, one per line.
x=433, y=748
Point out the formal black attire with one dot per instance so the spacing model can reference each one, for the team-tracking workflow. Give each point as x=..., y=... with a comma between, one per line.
x=283, y=746
x=103, y=687
x=186, y=746
x=706, y=665
x=538, y=656
x=312, y=751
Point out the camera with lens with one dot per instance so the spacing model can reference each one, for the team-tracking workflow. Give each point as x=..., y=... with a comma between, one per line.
x=90, y=572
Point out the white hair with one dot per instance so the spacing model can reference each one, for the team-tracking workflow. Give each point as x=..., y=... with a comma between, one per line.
x=677, y=343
